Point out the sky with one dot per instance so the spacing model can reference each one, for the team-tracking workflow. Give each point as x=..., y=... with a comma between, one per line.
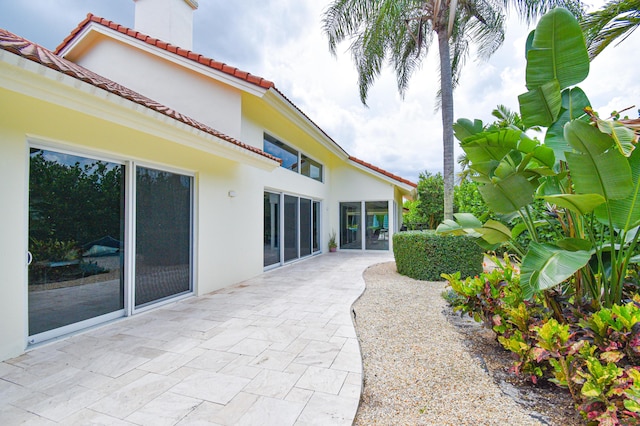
x=282, y=41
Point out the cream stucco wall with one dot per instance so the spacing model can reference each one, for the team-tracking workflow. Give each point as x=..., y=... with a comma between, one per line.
x=182, y=89
x=227, y=231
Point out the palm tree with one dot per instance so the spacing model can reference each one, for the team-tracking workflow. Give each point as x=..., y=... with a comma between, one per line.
x=401, y=31
x=618, y=19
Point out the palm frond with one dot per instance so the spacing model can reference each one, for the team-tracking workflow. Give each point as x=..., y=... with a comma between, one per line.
x=616, y=21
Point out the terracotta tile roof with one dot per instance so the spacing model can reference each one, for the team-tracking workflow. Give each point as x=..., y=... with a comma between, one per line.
x=384, y=172
x=259, y=81
x=220, y=66
x=33, y=52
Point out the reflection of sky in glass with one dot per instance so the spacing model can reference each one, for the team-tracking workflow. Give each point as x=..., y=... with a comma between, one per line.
x=71, y=160
x=288, y=155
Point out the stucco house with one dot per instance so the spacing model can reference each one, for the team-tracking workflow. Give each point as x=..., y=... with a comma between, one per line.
x=135, y=172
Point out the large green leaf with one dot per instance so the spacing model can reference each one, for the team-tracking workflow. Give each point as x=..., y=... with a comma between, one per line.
x=625, y=213
x=465, y=128
x=491, y=145
x=624, y=137
x=494, y=232
x=540, y=106
x=558, y=51
x=597, y=168
x=579, y=203
x=574, y=101
x=545, y=266
x=467, y=220
x=587, y=139
x=508, y=195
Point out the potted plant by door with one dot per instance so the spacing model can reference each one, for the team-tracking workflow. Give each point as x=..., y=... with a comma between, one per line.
x=332, y=242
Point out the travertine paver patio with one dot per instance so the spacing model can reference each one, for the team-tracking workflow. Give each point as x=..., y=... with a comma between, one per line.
x=279, y=349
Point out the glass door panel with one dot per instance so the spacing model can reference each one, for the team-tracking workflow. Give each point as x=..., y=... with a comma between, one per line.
x=316, y=226
x=305, y=227
x=76, y=234
x=350, y=230
x=271, y=229
x=163, y=235
x=377, y=225
x=290, y=227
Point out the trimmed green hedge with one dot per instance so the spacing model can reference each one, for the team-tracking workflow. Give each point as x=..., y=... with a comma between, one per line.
x=424, y=255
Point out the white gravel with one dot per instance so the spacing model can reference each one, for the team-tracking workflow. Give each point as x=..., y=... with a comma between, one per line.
x=416, y=368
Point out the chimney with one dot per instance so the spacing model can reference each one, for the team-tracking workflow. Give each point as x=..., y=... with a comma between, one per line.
x=167, y=20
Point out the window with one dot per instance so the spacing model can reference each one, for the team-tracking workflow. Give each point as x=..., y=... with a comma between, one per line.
x=288, y=155
x=299, y=220
x=311, y=168
x=373, y=227
x=292, y=159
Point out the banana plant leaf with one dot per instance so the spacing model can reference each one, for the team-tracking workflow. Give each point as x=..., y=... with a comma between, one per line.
x=545, y=266
x=625, y=213
x=574, y=101
x=558, y=51
x=624, y=137
x=465, y=128
x=596, y=169
x=494, y=232
x=579, y=203
x=540, y=106
x=508, y=195
x=491, y=145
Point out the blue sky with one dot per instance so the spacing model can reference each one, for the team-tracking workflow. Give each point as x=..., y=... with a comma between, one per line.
x=282, y=41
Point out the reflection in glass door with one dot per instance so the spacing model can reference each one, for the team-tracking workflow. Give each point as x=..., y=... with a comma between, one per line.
x=350, y=229
x=305, y=227
x=271, y=228
x=76, y=234
x=163, y=235
x=290, y=227
x=377, y=213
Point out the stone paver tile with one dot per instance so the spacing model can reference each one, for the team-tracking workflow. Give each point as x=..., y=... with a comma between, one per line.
x=273, y=360
x=227, y=339
x=346, y=331
x=250, y=347
x=322, y=379
x=325, y=409
x=167, y=409
x=133, y=396
x=347, y=361
x=299, y=395
x=212, y=360
x=170, y=361
x=271, y=412
x=59, y=406
x=230, y=414
x=10, y=415
x=275, y=384
x=320, y=354
x=115, y=364
x=203, y=415
x=213, y=387
x=90, y=417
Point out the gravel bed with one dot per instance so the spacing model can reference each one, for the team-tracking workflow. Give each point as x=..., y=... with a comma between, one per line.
x=417, y=370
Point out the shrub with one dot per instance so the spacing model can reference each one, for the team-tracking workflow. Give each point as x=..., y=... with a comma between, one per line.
x=423, y=255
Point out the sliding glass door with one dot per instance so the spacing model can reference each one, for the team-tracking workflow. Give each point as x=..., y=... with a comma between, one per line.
x=78, y=248
x=163, y=235
x=76, y=235
x=300, y=236
x=350, y=229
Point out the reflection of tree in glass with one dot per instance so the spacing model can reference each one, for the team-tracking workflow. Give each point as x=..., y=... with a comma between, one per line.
x=74, y=199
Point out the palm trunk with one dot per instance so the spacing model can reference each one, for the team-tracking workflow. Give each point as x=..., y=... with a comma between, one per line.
x=446, y=93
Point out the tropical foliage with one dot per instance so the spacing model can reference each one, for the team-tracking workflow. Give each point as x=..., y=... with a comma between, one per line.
x=571, y=315
x=401, y=32
x=587, y=171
